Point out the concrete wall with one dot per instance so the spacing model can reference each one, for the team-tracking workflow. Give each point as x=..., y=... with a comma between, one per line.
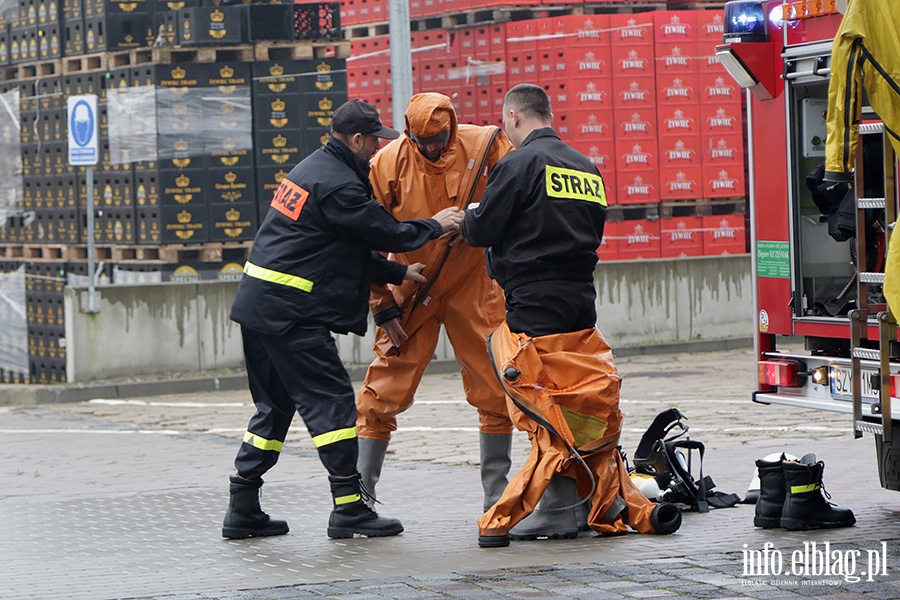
x=160, y=328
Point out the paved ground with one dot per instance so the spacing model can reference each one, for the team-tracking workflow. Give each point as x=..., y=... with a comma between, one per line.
x=124, y=499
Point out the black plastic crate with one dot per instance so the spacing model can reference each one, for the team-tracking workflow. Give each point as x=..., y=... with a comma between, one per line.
x=317, y=21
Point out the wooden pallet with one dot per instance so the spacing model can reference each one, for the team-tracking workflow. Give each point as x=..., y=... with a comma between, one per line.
x=40, y=68
x=367, y=30
x=82, y=63
x=630, y=212
x=202, y=54
x=23, y=251
x=702, y=207
x=301, y=50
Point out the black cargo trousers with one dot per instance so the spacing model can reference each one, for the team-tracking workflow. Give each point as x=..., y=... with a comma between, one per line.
x=300, y=371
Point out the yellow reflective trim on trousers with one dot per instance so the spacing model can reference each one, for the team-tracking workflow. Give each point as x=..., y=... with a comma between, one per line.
x=347, y=499
x=803, y=489
x=323, y=439
x=262, y=443
x=277, y=277
x=574, y=185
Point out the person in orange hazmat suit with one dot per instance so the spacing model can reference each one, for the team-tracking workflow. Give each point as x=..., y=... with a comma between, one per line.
x=437, y=163
x=541, y=218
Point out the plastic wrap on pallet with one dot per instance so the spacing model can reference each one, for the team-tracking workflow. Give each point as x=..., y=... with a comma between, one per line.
x=204, y=118
x=10, y=157
x=13, y=323
x=132, y=124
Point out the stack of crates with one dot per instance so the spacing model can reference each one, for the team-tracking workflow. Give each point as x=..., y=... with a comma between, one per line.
x=637, y=90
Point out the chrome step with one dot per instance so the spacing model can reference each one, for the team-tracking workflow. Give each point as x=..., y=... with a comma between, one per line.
x=871, y=277
x=867, y=427
x=867, y=353
x=870, y=203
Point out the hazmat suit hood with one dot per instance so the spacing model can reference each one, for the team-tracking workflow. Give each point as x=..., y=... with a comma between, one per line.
x=427, y=115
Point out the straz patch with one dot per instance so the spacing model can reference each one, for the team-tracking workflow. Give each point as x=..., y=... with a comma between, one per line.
x=575, y=185
x=289, y=199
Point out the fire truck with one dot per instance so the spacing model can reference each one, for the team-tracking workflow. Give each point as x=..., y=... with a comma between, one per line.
x=818, y=256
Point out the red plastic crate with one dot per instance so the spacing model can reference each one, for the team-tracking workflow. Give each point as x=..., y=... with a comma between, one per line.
x=723, y=182
x=675, y=25
x=710, y=25
x=724, y=234
x=631, y=29
x=608, y=249
x=633, y=61
x=637, y=187
x=561, y=96
x=371, y=11
x=636, y=123
x=521, y=37
x=595, y=126
x=680, y=183
x=681, y=236
x=587, y=62
x=677, y=57
x=720, y=119
x=722, y=150
x=679, y=120
x=591, y=94
x=638, y=239
x=553, y=64
x=679, y=151
x=707, y=61
x=678, y=89
x=717, y=88
x=584, y=30
x=521, y=68
x=634, y=92
x=636, y=154
x=598, y=153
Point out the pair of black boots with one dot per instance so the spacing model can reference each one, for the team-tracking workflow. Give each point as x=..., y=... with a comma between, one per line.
x=245, y=519
x=791, y=496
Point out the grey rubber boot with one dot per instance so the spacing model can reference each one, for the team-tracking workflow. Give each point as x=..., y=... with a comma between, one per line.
x=369, y=463
x=547, y=521
x=495, y=464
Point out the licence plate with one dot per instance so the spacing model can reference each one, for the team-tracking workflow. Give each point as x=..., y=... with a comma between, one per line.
x=842, y=384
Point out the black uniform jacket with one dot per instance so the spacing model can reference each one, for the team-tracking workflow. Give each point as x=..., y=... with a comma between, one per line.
x=312, y=261
x=541, y=215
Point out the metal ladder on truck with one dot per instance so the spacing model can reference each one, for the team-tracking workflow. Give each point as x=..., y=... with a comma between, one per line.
x=887, y=323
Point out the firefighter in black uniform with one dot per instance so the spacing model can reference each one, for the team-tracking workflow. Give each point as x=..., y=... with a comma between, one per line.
x=309, y=274
x=541, y=217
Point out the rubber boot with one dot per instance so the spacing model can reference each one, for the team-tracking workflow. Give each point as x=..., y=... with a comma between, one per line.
x=352, y=515
x=582, y=512
x=805, y=504
x=244, y=518
x=771, y=494
x=555, y=517
x=495, y=465
x=369, y=463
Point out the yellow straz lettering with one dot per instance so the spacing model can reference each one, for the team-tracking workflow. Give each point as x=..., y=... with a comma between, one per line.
x=575, y=185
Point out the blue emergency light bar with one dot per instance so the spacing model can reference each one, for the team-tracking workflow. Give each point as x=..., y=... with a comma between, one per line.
x=745, y=21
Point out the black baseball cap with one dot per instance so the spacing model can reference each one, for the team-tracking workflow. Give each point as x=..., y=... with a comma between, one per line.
x=357, y=116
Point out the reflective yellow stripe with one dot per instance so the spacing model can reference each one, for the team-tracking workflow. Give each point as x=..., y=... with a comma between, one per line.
x=347, y=499
x=275, y=277
x=334, y=436
x=574, y=185
x=262, y=443
x=802, y=489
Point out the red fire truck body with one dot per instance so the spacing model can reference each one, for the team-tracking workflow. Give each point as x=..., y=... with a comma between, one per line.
x=808, y=285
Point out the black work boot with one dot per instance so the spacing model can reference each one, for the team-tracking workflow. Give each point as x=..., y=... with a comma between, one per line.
x=805, y=503
x=771, y=494
x=352, y=515
x=245, y=519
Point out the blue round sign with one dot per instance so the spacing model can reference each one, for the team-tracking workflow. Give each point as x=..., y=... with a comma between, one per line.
x=82, y=123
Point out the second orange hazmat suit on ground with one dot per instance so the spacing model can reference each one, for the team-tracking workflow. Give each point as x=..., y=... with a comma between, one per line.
x=458, y=294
